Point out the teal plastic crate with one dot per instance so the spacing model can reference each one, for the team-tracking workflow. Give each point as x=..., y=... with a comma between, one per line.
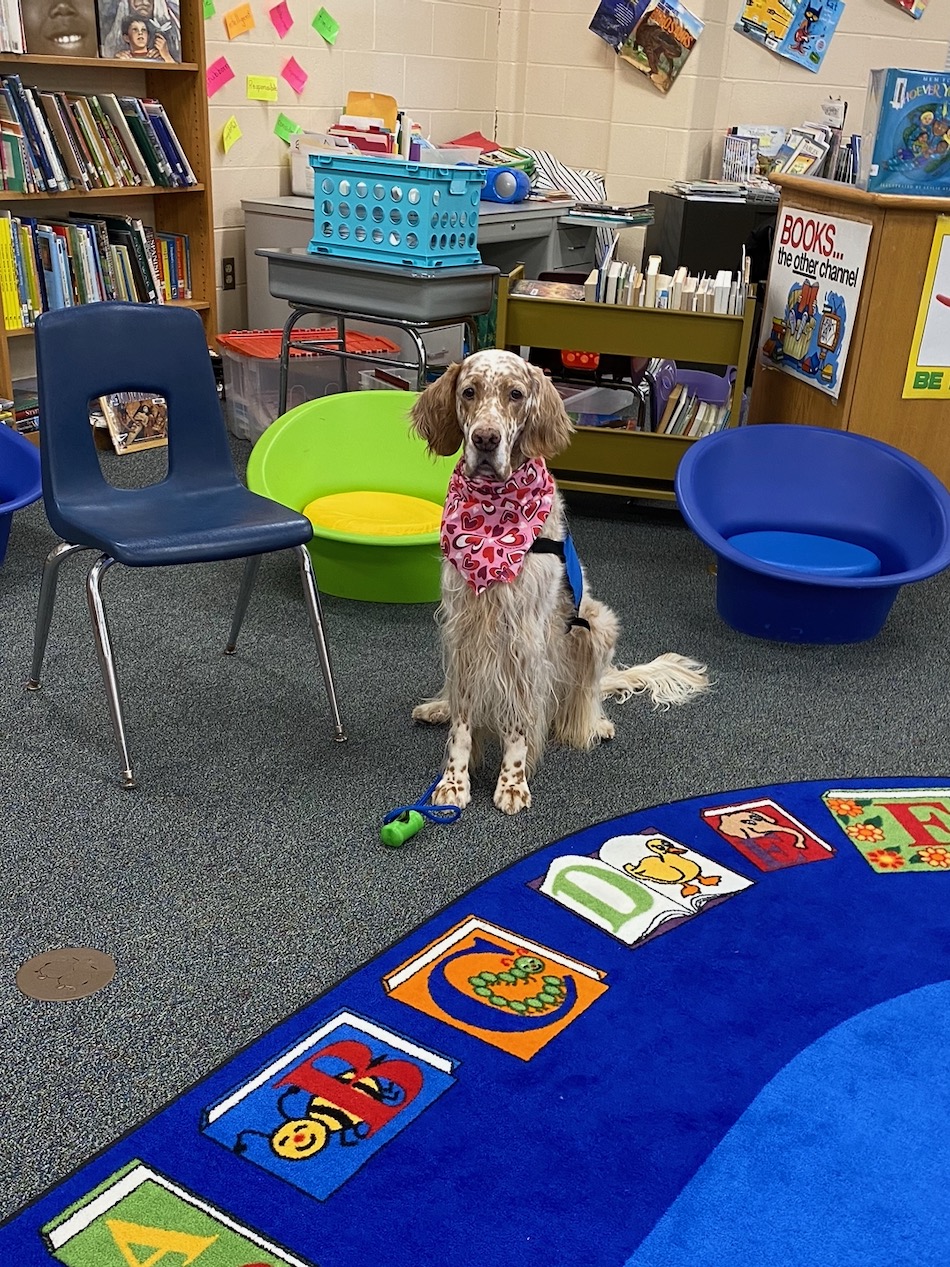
x=393, y=212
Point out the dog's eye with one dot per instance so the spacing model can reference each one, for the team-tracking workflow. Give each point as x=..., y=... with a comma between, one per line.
x=516, y=394
x=468, y=393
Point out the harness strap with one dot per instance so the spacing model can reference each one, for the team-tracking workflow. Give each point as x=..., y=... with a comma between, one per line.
x=573, y=576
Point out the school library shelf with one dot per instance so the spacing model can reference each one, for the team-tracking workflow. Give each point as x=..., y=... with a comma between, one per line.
x=601, y=459
x=180, y=211
x=871, y=400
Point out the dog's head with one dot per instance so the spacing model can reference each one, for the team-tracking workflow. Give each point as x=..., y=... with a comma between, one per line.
x=498, y=409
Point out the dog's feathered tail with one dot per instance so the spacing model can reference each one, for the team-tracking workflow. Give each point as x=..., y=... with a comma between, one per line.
x=669, y=679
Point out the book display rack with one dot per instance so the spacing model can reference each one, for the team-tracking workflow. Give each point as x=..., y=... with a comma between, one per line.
x=601, y=459
x=179, y=212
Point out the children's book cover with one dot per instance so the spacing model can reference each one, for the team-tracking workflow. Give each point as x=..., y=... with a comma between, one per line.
x=615, y=19
x=137, y=1210
x=661, y=42
x=815, y=279
x=795, y=29
x=916, y=8
x=496, y=985
x=140, y=30
x=60, y=30
x=905, y=144
x=904, y=829
x=136, y=420
x=319, y=1111
x=636, y=887
x=769, y=836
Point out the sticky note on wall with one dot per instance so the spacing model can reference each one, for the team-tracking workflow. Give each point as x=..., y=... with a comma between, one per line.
x=262, y=87
x=238, y=21
x=219, y=73
x=295, y=75
x=231, y=133
x=285, y=128
x=281, y=18
x=326, y=26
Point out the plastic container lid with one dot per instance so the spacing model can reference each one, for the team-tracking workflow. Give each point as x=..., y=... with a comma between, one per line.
x=265, y=344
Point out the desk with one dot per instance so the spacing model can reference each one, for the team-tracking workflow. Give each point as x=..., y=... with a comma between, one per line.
x=529, y=232
x=412, y=300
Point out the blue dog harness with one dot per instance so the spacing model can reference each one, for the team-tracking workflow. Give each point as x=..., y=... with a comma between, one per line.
x=573, y=576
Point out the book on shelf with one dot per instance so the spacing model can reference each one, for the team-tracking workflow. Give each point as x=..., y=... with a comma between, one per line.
x=48, y=263
x=56, y=141
x=11, y=27
x=136, y=420
x=548, y=289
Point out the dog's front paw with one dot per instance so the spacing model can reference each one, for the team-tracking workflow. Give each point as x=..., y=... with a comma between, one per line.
x=433, y=711
x=452, y=789
x=604, y=730
x=512, y=795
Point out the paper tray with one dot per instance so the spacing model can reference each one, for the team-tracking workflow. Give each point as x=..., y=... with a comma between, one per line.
x=379, y=290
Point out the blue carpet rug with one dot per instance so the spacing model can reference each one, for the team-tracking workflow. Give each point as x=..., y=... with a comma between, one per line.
x=712, y=1032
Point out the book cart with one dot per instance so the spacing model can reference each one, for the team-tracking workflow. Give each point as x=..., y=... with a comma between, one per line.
x=182, y=89
x=604, y=459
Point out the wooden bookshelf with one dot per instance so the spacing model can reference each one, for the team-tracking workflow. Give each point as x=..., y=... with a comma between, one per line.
x=602, y=459
x=182, y=89
x=870, y=402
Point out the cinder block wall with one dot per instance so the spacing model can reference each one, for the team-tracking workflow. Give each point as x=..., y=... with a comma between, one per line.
x=530, y=72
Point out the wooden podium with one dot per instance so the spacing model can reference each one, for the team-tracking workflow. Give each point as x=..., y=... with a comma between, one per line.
x=870, y=402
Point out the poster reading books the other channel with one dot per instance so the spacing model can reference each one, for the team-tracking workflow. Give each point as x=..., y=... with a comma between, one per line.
x=800, y=30
x=815, y=279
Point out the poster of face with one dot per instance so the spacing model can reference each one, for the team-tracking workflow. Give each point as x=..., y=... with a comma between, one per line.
x=815, y=279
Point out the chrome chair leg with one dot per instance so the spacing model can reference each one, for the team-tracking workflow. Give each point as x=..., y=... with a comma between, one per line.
x=44, y=610
x=315, y=612
x=100, y=628
x=251, y=564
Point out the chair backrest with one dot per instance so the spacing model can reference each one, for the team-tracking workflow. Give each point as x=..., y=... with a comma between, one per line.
x=95, y=349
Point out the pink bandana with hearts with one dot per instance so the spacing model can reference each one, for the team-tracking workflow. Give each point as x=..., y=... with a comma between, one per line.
x=487, y=528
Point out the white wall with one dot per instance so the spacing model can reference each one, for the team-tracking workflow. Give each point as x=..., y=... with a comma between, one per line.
x=530, y=72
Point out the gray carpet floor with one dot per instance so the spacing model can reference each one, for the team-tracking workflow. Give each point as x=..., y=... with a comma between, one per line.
x=245, y=874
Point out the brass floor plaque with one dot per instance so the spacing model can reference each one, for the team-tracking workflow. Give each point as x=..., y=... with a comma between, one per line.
x=73, y=972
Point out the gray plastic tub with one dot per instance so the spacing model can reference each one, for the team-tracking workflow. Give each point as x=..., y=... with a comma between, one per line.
x=406, y=293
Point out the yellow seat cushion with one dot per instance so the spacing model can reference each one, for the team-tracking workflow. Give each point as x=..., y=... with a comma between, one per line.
x=374, y=514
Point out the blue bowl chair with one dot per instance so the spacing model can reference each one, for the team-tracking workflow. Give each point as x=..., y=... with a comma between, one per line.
x=200, y=512
x=815, y=530
x=19, y=479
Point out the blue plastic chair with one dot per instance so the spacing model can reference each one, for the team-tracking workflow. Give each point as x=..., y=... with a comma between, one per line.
x=200, y=512
x=19, y=479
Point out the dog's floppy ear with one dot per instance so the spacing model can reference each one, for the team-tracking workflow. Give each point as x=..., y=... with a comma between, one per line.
x=548, y=429
x=434, y=416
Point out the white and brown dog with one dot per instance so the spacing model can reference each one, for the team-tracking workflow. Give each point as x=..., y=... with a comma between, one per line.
x=528, y=653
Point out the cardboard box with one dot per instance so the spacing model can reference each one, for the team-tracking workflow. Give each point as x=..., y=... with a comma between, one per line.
x=905, y=140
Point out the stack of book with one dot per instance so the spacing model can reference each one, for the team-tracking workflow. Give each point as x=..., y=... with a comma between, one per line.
x=53, y=141
x=622, y=283
x=687, y=415
x=48, y=263
x=812, y=148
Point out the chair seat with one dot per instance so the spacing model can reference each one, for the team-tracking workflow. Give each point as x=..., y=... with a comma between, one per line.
x=808, y=552
x=374, y=515
x=160, y=527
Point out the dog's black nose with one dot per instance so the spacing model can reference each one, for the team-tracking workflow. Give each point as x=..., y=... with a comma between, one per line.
x=486, y=439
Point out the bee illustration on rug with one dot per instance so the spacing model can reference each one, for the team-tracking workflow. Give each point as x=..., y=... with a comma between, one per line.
x=317, y=1107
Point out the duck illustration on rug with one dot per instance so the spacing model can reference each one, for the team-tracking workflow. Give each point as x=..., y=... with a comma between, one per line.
x=637, y=887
